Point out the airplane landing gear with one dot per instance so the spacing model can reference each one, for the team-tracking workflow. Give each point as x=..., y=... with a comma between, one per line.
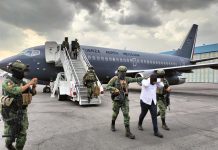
x=47, y=89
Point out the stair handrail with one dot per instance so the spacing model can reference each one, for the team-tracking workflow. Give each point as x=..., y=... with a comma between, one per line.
x=85, y=60
x=72, y=66
x=73, y=72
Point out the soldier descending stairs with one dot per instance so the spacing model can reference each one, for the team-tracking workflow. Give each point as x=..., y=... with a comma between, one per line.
x=70, y=82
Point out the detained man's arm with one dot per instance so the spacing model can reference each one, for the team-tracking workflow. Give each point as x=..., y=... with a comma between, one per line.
x=145, y=82
x=159, y=83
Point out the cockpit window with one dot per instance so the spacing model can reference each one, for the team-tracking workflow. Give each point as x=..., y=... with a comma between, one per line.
x=35, y=52
x=30, y=52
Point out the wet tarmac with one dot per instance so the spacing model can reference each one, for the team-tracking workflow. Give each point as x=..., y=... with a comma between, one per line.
x=64, y=125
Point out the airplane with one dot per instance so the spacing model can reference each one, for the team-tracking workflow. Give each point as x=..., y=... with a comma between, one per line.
x=107, y=60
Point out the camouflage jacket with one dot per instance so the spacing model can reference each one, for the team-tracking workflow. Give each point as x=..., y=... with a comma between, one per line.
x=90, y=76
x=114, y=83
x=11, y=87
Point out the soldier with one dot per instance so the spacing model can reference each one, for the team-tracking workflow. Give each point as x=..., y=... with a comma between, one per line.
x=75, y=48
x=65, y=44
x=89, y=79
x=161, y=98
x=17, y=95
x=118, y=87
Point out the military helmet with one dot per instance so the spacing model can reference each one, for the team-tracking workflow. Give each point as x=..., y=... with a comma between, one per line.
x=76, y=39
x=91, y=68
x=122, y=69
x=160, y=72
x=19, y=66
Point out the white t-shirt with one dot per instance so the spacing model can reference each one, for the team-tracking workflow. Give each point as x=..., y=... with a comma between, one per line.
x=148, y=91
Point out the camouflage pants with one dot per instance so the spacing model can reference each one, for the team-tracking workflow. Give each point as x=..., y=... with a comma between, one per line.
x=161, y=103
x=90, y=88
x=124, y=105
x=21, y=139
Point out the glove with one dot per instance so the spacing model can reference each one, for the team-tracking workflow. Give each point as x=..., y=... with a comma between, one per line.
x=116, y=92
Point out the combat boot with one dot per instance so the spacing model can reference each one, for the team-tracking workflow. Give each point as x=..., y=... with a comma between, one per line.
x=164, y=125
x=10, y=147
x=89, y=99
x=128, y=133
x=113, y=126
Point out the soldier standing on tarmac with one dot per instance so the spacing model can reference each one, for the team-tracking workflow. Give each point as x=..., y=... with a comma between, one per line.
x=17, y=95
x=118, y=87
x=161, y=98
x=89, y=79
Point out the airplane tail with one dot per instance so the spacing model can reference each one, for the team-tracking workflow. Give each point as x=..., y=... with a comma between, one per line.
x=187, y=48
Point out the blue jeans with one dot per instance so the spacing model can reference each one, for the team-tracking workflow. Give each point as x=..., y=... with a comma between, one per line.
x=153, y=110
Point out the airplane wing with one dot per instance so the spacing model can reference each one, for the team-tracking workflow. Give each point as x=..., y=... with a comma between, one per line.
x=181, y=69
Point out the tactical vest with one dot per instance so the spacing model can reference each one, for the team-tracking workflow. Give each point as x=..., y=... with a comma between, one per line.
x=122, y=86
x=10, y=100
x=90, y=77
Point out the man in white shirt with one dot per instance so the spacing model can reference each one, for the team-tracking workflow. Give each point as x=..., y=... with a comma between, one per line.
x=148, y=102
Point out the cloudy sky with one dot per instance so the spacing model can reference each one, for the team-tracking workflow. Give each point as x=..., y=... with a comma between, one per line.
x=145, y=25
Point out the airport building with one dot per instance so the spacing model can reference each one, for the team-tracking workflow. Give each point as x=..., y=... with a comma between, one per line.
x=203, y=75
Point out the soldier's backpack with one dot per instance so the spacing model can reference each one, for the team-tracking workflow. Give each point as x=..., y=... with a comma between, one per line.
x=96, y=90
x=90, y=77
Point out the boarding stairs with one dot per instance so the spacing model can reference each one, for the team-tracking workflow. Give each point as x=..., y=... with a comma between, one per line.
x=70, y=82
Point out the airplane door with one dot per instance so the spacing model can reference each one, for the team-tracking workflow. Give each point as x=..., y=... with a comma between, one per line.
x=50, y=51
x=134, y=62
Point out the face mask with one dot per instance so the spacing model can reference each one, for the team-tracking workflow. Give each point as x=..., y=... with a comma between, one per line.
x=122, y=75
x=18, y=74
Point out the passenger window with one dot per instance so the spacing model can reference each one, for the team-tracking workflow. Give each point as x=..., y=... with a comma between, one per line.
x=93, y=57
x=28, y=53
x=102, y=58
x=98, y=58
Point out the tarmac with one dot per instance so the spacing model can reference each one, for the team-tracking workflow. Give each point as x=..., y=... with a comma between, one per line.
x=64, y=125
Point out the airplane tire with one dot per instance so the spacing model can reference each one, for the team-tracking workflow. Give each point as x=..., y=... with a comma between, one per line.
x=46, y=90
x=61, y=97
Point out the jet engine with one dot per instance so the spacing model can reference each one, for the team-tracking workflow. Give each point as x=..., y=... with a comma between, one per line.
x=175, y=80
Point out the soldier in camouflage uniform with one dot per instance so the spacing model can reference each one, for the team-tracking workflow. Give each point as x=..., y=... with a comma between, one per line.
x=14, y=102
x=65, y=44
x=89, y=80
x=118, y=87
x=161, y=98
x=75, y=48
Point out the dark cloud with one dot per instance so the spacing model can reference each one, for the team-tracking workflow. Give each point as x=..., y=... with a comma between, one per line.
x=140, y=20
x=10, y=37
x=113, y=3
x=92, y=6
x=184, y=4
x=96, y=18
x=41, y=16
x=142, y=13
